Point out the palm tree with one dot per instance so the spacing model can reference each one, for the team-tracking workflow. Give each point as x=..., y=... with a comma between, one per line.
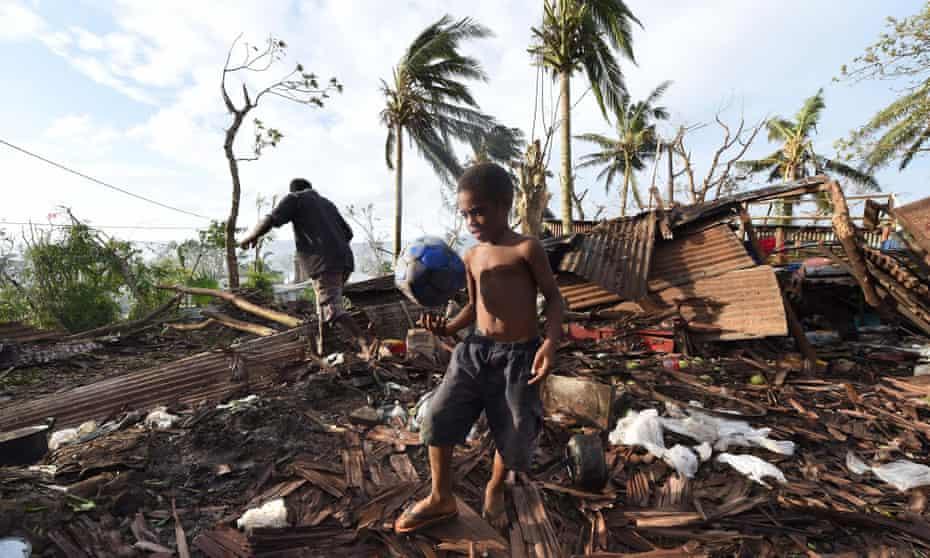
x=428, y=99
x=796, y=159
x=906, y=126
x=636, y=143
x=582, y=35
x=499, y=144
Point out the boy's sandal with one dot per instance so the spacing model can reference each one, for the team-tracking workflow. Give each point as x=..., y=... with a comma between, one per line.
x=413, y=521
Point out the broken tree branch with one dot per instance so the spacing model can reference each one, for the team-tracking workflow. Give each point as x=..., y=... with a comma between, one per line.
x=239, y=302
x=230, y=322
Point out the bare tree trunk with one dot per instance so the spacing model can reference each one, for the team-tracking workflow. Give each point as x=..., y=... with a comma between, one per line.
x=670, y=195
x=626, y=187
x=566, y=129
x=398, y=190
x=232, y=263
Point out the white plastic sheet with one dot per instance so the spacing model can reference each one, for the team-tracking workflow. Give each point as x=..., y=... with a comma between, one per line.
x=722, y=432
x=902, y=474
x=753, y=467
x=270, y=514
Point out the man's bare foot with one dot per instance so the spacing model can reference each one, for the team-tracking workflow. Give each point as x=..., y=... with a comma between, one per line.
x=495, y=510
x=424, y=513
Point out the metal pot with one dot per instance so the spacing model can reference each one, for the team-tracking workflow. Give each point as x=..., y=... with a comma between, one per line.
x=24, y=446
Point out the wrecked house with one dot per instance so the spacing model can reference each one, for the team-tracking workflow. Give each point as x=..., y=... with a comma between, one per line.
x=704, y=404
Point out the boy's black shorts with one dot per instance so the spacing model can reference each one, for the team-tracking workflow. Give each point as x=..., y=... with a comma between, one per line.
x=490, y=376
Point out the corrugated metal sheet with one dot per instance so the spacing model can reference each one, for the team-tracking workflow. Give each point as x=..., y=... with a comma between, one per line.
x=581, y=295
x=688, y=214
x=555, y=227
x=696, y=255
x=915, y=218
x=19, y=332
x=394, y=319
x=385, y=283
x=206, y=376
x=742, y=304
x=616, y=256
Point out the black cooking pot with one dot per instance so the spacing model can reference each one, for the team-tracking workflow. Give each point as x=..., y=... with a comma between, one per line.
x=24, y=446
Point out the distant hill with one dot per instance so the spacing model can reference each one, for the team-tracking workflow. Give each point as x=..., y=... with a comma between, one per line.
x=282, y=258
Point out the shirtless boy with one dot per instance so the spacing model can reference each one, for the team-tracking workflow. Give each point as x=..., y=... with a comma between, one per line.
x=500, y=367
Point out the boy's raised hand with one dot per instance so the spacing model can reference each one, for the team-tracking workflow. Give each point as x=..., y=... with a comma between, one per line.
x=542, y=363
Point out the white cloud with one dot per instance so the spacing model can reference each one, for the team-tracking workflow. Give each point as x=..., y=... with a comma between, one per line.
x=19, y=22
x=168, y=55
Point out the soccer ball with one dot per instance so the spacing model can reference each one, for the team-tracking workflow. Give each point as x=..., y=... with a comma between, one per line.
x=429, y=272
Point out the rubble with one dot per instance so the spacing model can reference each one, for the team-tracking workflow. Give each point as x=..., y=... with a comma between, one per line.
x=741, y=447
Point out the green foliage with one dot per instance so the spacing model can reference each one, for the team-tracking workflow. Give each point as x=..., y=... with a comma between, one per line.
x=583, y=35
x=796, y=158
x=203, y=282
x=262, y=282
x=500, y=145
x=900, y=131
x=13, y=305
x=636, y=143
x=74, y=281
x=429, y=99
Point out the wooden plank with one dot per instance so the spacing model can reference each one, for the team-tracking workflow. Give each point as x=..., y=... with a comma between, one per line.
x=353, y=461
x=403, y=467
x=468, y=528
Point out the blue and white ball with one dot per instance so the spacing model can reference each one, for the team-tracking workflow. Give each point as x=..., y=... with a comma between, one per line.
x=429, y=272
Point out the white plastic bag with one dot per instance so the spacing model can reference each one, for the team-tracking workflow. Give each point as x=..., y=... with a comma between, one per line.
x=160, y=419
x=704, y=451
x=270, y=514
x=639, y=429
x=753, y=467
x=902, y=474
x=645, y=430
x=421, y=409
x=682, y=459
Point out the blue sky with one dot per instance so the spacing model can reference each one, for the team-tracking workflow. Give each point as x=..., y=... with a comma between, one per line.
x=128, y=92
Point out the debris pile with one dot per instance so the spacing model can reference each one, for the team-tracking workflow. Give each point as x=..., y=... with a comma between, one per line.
x=695, y=410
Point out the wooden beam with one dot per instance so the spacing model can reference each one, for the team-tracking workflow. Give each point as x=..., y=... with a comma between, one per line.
x=846, y=233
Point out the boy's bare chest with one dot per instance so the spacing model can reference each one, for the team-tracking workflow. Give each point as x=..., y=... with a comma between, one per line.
x=499, y=264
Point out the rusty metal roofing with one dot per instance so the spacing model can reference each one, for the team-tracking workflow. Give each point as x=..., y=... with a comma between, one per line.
x=581, y=295
x=377, y=284
x=687, y=214
x=205, y=376
x=616, y=255
x=392, y=320
x=915, y=218
x=696, y=255
x=741, y=304
x=18, y=332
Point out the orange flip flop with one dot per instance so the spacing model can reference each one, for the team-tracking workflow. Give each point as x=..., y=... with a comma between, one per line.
x=416, y=521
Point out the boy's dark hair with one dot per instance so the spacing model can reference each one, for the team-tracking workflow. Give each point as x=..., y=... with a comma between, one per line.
x=299, y=184
x=489, y=182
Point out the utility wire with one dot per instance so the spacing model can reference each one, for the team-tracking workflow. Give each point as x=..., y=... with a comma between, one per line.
x=140, y=227
x=97, y=181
